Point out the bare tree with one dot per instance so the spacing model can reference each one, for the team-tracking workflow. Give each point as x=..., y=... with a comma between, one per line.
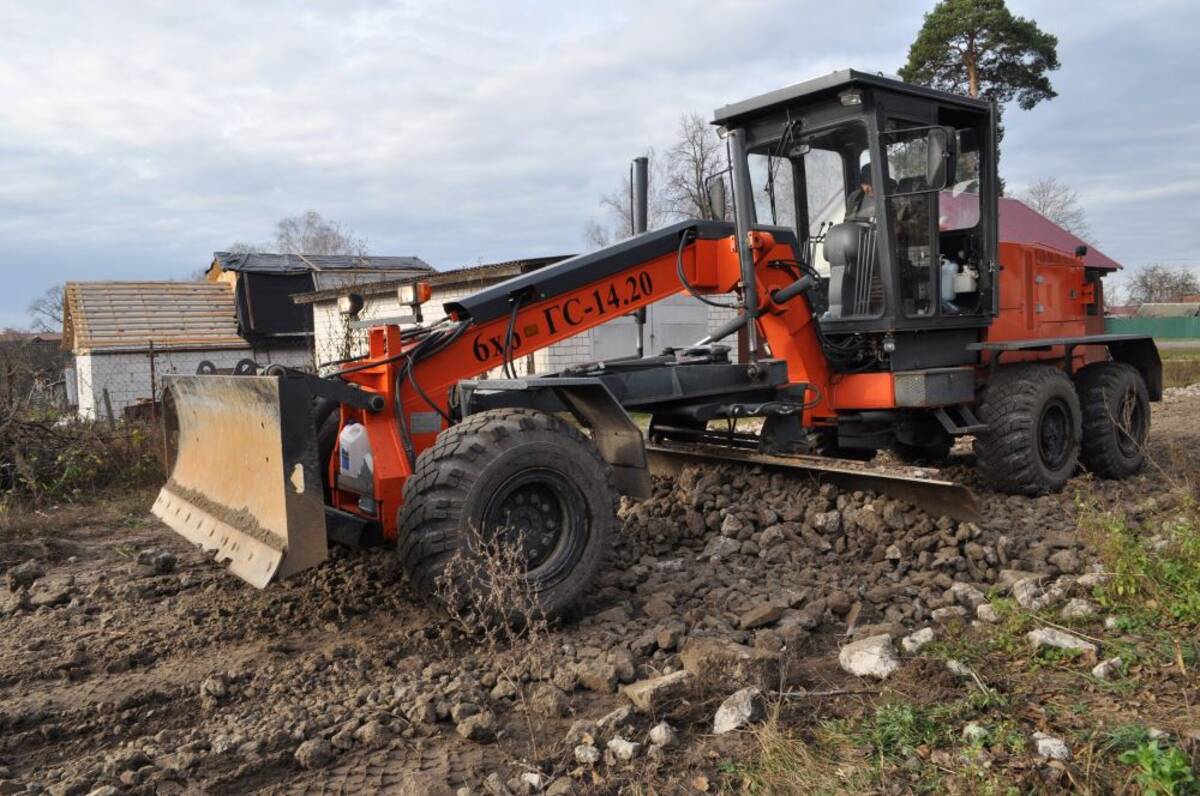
x=46, y=310
x=312, y=233
x=678, y=185
x=691, y=163
x=1161, y=283
x=1060, y=204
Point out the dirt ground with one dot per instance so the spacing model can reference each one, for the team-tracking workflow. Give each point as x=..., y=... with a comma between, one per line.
x=131, y=663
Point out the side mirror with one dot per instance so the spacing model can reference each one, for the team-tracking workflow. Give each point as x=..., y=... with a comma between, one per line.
x=941, y=158
x=716, y=196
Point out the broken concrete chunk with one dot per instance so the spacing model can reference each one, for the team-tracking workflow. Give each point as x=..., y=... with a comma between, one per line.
x=714, y=660
x=650, y=695
x=914, y=641
x=1110, y=669
x=870, y=657
x=1051, y=747
x=1050, y=637
x=741, y=708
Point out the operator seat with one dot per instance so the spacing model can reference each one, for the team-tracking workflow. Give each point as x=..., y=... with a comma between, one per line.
x=850, y=252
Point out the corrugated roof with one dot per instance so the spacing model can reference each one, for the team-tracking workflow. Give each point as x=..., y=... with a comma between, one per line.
x=458, y=276
x=1168, y=310
x=301, y=263
x=1020, y=223
x=130, y=316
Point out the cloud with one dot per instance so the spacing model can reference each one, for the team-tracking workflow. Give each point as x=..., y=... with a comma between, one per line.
x=139, y=137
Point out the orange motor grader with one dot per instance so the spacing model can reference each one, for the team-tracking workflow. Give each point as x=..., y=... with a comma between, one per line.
x=876, y=307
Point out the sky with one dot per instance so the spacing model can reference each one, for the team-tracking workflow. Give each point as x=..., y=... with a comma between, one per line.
x=137, y=138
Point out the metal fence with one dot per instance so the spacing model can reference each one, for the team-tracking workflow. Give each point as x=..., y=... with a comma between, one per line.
x=1159, y=328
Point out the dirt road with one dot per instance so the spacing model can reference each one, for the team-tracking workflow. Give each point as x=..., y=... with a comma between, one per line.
x=130, y=663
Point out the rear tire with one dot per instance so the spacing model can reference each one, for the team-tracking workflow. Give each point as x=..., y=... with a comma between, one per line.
x=1031, y=445
x=1116, y=418
x=504, y=467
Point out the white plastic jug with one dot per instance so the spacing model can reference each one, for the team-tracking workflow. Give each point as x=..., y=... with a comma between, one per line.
x=354, y=452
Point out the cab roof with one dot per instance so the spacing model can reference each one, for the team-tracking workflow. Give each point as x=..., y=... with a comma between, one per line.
x=830, y=85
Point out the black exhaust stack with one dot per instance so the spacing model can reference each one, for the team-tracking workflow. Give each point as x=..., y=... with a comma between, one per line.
x=639, y=205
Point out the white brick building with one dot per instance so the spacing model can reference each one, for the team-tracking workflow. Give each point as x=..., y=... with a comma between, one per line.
x=127, y=335
x=679, y=321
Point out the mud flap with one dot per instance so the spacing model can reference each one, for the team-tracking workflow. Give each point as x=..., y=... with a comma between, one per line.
x=244, y=482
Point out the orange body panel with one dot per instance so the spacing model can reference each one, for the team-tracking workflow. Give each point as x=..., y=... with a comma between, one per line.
x=1043, y=294
x=711, y=266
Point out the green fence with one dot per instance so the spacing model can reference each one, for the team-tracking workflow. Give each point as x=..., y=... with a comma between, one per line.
x=1159, y=328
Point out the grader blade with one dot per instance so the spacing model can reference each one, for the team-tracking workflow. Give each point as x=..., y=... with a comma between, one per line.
x=244, y=483
x=916, y=485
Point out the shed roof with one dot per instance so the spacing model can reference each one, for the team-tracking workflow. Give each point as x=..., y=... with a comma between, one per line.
x=132, y=316
x=1020, y=223
x=257, y=262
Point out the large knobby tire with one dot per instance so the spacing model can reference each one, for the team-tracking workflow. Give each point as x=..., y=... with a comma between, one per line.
x=505, y=469
x=1116, y=418
x=1031, y=445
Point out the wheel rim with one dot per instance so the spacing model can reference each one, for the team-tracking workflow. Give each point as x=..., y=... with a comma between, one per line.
x=1054, y=435
x=544, y=513
x=1130, y=421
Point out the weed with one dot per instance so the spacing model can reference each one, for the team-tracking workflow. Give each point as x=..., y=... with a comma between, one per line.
x=1165, y=772
x=898, y=729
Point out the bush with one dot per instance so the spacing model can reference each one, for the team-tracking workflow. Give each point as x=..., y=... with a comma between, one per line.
x=45, y=460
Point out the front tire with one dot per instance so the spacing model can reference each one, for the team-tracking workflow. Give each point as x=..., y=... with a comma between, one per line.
x=519, y=472
x=1031, y=445
x=1116, y=418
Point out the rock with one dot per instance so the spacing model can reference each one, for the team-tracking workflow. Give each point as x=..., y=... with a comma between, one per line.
x=315, y=753
x=870, y=657
x=104, y=790
x=717, y=661
x=563, y=786
x=461, y=710
x=615, y=615
x=343, y=740
x=658, y=608
x=548, y=701
x=670, y=635
x=721, y=547
x=1051, y=747
x=1067, y=561
x=614, y=718
x=624, y=663
x=586, y=754
x=828, y=522
x=1050, y=637
x=597, y=675
x=56, y=595
x=650, y=695
x=893, y=553
x=1011, y=577
x=914, y=641
x=948, y=613
x=504, y=689
x=23, y=575
x=480, y=728
x=15, y=602
x=1079, y=608
x=958, y=668
x=423, y=710
x=532, y=781
x=1092, y=580
x=968, y=596
x=372, y=734
x=760, y=615
x=987, y=613
x=741, y=708
x=974, y=733
x=623, y=750
x=1109, y=669
x=214, y=687
x=1026, y=592
x=581, y=730
x=164, y=563
x=662, y=734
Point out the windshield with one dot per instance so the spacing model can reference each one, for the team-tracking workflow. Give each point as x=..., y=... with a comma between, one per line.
x=827, y=165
